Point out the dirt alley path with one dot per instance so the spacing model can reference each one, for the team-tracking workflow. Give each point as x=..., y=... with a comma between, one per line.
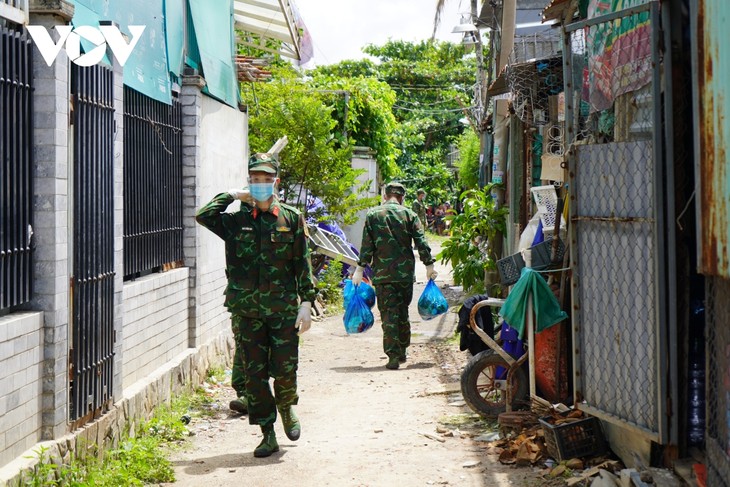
x=362, y=425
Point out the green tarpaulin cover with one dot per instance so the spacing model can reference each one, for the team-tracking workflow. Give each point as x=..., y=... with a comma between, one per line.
x=214, y=35
x=146, y=70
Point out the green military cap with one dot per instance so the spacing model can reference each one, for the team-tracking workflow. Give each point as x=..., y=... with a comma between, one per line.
x=264, y=162
x=395, y=188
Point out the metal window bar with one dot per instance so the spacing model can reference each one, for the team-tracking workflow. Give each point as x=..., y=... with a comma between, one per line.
x=16, y=190
x=331, y=245
x=92, y=347
x=153, y=228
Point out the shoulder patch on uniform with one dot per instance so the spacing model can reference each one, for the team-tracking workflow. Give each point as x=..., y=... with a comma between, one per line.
x=290, y=208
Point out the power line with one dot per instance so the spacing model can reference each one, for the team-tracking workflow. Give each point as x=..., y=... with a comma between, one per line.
x=430, y=112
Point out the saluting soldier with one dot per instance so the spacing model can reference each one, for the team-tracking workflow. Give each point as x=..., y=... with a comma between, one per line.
x=269, y=294
x=387, y=244
x=419, y=207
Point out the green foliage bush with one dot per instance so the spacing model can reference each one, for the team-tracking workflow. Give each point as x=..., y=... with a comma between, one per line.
x=140, y=459
x=469, y=160
x=328, y=284
x=472, y=231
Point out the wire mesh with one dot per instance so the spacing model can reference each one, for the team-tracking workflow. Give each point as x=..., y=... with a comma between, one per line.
x=718, y=381
x=614, y=217
x=534, y=75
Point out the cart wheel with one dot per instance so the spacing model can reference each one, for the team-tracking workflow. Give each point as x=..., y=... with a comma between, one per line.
x=483, y=383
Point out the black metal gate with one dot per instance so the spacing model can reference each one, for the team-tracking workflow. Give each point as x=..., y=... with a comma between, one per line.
x=16, y=191
x=92, y=346
x=153, y=196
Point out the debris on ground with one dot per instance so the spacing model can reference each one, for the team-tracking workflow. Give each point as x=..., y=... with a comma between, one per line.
x=527, y=448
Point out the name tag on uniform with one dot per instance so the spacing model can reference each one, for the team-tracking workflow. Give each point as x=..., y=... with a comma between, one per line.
x=283, y=229
x=247, y=229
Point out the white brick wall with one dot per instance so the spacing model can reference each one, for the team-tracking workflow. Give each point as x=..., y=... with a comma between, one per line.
x=223, y=165
x=21, y=356
x=155, y=323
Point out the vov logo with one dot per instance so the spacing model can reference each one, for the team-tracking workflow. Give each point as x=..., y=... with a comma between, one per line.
x=71, y=37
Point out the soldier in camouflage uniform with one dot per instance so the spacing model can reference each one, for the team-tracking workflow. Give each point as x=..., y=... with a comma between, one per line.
x=389, y=233
x=269, y=294
x=419, y=207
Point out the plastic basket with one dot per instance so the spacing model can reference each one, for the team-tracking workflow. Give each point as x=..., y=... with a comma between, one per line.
x=541, y=254
x=509, y=269
x=511, y=266
x=578, y=439
x=546, y=199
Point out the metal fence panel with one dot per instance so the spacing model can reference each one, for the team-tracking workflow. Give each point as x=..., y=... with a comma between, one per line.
x=153, y=228
x=718, y=382
x=92, y=347
x=612, y=72
x=616, y=248
x=16, y=191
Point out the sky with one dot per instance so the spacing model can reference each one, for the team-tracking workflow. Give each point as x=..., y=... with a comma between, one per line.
x=339, y=28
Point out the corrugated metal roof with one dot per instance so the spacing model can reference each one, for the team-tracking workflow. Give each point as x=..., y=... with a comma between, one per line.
x=278, y=20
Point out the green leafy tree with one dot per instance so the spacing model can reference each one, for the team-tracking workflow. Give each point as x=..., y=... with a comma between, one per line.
x=431, y=81
x=314, y=159
x=472, y=233
x=469, y=160
x=364, y=108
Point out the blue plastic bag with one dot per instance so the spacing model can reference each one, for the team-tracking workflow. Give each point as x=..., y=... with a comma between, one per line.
x=358, y=317
x=366, y=291
x=432, y=302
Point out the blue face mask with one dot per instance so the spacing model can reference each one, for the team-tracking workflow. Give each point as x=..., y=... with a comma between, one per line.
x=261, y=191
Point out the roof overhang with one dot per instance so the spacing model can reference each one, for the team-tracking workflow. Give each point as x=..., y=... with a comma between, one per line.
x=559, y=10
x=262, y=21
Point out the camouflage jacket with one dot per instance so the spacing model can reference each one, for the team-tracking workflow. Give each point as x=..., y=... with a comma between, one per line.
x=267, y=257
x=387, y=240
x=419, y=208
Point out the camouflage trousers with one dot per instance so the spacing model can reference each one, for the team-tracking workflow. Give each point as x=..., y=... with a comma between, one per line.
x=238, y=374
x=393, y=301
x=270, y=348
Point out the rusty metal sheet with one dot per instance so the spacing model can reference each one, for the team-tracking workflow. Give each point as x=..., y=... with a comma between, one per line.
x=713, y=57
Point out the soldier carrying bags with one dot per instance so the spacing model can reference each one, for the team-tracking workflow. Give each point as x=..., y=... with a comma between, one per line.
x=389, y=233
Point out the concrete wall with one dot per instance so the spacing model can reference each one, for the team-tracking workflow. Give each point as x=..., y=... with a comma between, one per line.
x=184, y=372
x=170, y=327
x=155, y=316
x=21, y=362
x=223, y=159
x=51, y=228
x=363, y=159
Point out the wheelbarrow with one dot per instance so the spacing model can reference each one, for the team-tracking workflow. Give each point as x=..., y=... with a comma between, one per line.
x=493, y=381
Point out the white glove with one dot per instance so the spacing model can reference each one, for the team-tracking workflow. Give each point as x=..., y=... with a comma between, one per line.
x=357, y=276
x=304, y=318
x=430, y=273
x=241, y=194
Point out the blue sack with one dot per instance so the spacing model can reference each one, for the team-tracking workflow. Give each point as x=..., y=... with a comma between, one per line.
x=366, y=291
x=358, y=317
x=432, y=302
